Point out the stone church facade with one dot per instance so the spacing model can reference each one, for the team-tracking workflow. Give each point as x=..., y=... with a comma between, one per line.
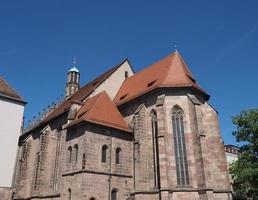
x=150, y=135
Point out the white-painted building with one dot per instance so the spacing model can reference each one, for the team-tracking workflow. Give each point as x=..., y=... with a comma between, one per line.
x=11, y=117
x=232, y=152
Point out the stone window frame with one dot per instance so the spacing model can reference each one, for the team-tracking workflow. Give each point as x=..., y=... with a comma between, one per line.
x=76, y=147
x=181, y=153
x=69, y=154
x=114, y=191
x=118, y=156
x=104, y=150
x=37, y=170
x=69, y=194
x=154, y=132
x=83, y=161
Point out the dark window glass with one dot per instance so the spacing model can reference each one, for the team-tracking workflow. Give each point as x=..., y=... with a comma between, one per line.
x=180, y=147
x=104, y=153
x=69, y=154
x=154, y=126
x=69, y=194
x=114, y=194
x=76, y=147
x=83, y=161
x=36, y=181
x=118, y=152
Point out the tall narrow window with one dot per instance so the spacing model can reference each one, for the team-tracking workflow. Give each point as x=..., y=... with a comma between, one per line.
x=118, y=152
x=155, y=149
x=69, y=194
x=126, y=74
x=114, y=194
x=69, y=154
x=104, y=153
x=83, y=161
x=76, y=148
x=36, y=180
x=180, y=147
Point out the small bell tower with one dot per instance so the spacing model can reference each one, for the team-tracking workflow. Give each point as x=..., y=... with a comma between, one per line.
x=73, y=81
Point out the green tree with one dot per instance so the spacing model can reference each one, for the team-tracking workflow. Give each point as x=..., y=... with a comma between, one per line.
x=245, y=169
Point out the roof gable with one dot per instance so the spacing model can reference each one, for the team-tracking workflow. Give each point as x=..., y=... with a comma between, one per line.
x=168, y=72
x=7, y=91
x=82, y=93
x=101, y=110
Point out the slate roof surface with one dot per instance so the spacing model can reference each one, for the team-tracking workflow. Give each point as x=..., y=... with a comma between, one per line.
x=168, y=72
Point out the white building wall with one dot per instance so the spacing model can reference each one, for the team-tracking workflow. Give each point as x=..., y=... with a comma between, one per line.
x=11, y=115
x=114, y=82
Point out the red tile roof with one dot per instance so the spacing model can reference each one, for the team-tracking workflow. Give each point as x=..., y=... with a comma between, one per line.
x=100, y=109
x=81, y=94
x=7, y=91
x=168, y=72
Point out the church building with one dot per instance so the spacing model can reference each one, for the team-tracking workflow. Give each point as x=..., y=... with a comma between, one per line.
x=150, y=135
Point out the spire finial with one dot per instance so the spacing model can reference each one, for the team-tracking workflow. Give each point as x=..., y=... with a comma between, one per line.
x=175, y=47
x=74, y=61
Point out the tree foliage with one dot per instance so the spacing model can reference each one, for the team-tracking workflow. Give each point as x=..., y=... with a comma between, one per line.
x=245, y=169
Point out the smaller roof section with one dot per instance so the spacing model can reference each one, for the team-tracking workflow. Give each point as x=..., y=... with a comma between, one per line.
x=6, y=91
x=101, y=110
x=74, y=69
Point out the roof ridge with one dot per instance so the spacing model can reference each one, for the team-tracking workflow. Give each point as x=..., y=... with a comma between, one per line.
x=188, y=71
x=98, y=97
x=172, y=57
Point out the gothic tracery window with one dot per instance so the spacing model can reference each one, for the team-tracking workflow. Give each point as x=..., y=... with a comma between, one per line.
x=37, y=169
x=154, y=129
x=180, y=147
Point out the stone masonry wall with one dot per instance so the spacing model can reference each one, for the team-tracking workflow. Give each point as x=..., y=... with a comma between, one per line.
x=5, y=193
x=86, y=182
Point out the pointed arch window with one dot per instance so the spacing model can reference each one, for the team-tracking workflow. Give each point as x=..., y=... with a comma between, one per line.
x=118, y=155
x=180, y=147
x=104, y=153
x=37, y=169
x=154, y=129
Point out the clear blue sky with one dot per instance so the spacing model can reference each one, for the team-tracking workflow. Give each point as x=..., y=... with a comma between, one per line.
x=218, y=39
